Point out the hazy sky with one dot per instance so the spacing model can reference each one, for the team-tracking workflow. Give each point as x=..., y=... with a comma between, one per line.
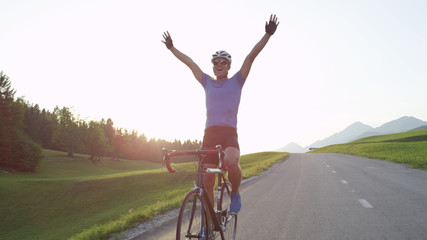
x=330, y=63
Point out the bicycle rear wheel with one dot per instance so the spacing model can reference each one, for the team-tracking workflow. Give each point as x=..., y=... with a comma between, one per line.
x=192, y=218
x=229, y=221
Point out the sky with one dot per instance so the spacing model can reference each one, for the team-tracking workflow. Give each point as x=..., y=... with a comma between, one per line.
x=329, y=64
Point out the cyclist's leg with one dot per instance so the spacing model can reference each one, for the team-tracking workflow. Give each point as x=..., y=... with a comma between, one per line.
x=232, y=157
x=229, y=221
x=209, y=181
x=210, y=139
x=209, y=184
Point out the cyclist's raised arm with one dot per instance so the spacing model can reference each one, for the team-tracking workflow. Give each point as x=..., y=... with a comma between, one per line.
x=197, y=72
x=270, y=28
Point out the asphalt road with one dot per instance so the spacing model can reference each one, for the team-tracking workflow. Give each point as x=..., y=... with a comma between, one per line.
x=329, y=196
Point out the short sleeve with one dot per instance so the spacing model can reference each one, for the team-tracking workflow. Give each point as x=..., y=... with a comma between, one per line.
x=204, y=80
x=240, y=78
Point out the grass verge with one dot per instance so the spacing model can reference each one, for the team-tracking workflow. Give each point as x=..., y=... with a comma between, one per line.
x=408, y=148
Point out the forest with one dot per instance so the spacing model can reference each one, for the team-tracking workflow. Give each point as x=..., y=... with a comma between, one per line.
x=25, y=130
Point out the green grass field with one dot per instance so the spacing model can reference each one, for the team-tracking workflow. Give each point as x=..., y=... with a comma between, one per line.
x=73, y=198
x=408, y=147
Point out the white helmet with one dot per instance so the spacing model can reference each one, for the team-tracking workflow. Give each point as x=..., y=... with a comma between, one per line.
x=221, y=54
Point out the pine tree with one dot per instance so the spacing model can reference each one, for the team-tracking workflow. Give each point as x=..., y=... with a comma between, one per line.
x=8, y=123
x=17, y=150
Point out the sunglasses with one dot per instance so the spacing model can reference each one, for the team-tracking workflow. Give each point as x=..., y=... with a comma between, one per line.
x=220, y=62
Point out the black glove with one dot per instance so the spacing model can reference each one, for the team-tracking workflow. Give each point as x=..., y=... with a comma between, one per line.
x=168, y=40
x=271, y=27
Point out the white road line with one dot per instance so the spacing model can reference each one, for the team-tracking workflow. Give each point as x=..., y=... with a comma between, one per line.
x=365, y=203
x=334, y=172
x=344, y=181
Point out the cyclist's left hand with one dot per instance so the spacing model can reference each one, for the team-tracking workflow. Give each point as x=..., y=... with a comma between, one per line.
x=168, y=40
x=271, y=27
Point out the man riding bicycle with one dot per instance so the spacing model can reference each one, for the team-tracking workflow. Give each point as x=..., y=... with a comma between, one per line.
x=222, y=104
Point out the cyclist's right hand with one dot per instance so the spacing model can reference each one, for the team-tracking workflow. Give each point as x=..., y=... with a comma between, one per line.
x=168, y=40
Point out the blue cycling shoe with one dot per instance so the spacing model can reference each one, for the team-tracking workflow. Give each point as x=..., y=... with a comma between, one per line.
x=236, y=202
x=203, y=233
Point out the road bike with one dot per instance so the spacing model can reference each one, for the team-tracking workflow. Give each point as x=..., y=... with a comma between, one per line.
x=198, y=218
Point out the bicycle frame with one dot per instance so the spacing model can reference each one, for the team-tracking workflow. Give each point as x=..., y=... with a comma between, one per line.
x=215, y=216
x=221, y=179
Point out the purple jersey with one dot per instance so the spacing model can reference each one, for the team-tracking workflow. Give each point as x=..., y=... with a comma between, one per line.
x=222, y=100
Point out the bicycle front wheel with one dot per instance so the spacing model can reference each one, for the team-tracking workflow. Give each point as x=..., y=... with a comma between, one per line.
x=228, y=221
x=192, y=218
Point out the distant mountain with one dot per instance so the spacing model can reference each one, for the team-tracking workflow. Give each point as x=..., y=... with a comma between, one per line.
x=365, y=135
x=348, y=134
x=292, y=148
x=419, y=128
x=359, y=130
x=402, y=124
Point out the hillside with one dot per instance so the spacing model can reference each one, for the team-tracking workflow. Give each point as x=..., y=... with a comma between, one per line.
x=410, y=136
x=360, y=130
x=402, y=124
x=407, y=147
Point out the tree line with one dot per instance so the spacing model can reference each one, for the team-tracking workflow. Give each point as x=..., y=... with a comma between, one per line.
x=25, y=129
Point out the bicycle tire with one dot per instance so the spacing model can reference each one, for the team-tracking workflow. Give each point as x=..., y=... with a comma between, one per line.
x=229, y=221
x=192, y=217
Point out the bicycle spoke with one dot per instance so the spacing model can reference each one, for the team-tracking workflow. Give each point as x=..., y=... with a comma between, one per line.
x=191, y=218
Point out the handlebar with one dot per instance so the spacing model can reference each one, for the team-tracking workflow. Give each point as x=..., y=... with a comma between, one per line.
x=209, y=151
